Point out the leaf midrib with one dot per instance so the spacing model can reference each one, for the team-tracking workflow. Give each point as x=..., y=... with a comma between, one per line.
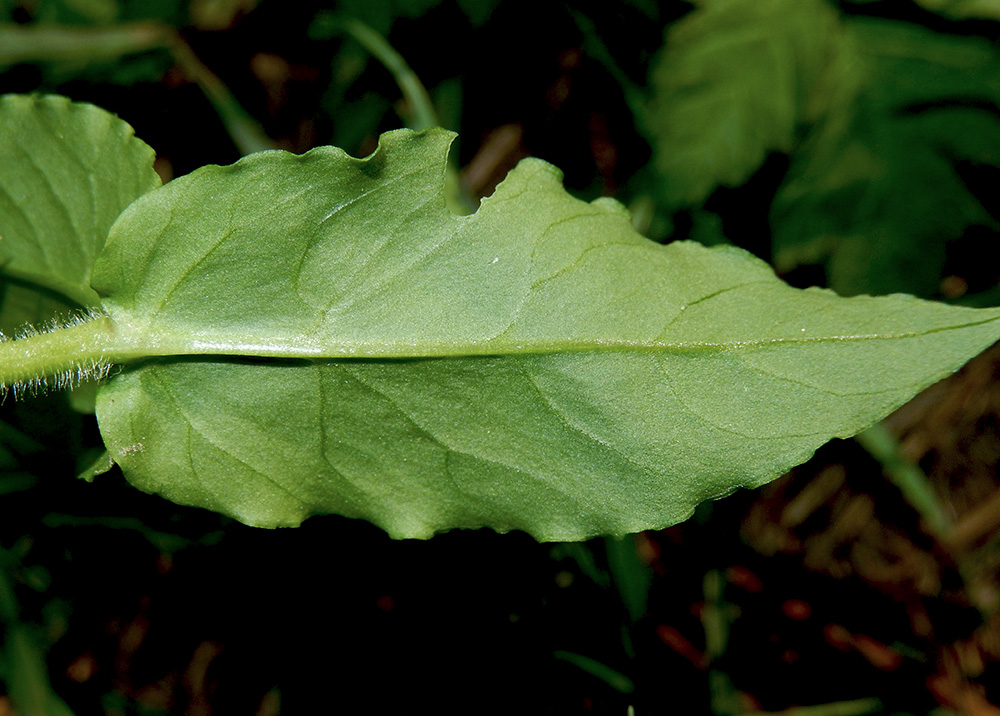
x=298, y=347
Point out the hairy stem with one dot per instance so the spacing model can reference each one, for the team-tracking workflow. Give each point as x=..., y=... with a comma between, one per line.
x=60, y=357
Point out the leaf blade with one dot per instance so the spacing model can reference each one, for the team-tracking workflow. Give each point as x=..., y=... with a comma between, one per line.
x=586, y=382
x=67, y=170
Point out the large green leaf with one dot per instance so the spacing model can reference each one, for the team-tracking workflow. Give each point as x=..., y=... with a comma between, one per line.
x=735, y=81
x=332, y=339
x=67, y=171
x=878, y=200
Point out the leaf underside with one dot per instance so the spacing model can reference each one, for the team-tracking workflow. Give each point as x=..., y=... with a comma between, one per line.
x=347, y=345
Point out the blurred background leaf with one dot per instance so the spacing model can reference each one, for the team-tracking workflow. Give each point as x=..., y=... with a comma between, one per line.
x=736, y=81
x=881, y=202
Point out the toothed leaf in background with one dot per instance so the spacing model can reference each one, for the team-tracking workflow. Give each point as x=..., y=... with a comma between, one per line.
x=734, y=82
x=878, y=201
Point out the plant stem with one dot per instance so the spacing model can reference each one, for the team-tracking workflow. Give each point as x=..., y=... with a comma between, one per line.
x=615, y=679
x=631, y=576
x=55, y=43
x=909, y=478
x=595, y=47
x=65, y=356
x=715, y=620
x=857, y=707
x=243, y=129
x=423, y=114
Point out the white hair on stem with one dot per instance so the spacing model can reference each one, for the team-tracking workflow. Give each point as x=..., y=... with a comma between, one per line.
x=88, y=369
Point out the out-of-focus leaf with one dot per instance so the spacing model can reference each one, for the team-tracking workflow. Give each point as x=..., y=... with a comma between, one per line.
x=74, y=48
x=379, y=16
x=478, y=11
x=22, y=656
x=218, y=14
x=104, y=12
x=735, y=82
x=960, y=9
x=118, y=41
x=96, y=11
x=878, y=200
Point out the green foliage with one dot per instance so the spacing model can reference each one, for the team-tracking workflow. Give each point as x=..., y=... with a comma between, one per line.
x=66, y=172
x=879, y=120
x=317, y=333
x=24, y=669
x=119, y=41
x=961, y=8
x=737, y=80
x=381, y=16
x=881, y=198
x=366, y=23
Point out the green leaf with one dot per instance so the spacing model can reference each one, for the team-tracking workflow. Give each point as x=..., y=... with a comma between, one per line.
x=26, y=303
x=22, y=656
x=878, y=199
x=735, y=81
x=317, y=333
x=67, y=171
x=95, y=11
x=28, y=680
x=964, y=8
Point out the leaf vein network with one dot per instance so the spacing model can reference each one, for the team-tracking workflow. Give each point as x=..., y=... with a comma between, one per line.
x=766, y=370
x=319, y=237
x=184, y=275
x=362, y=496
x=403, y=412
x=575, y=264
x=450, y=448
x=374, y=190
x=53, y=199
x=234, y=226
x=73, y=154
x=357, y=295
x=185, y=416
x=561, y=416
x=713, y=424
